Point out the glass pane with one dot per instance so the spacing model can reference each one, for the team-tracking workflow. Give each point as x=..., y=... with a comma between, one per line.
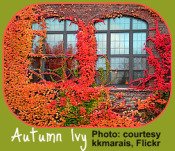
x=119, y=63
x=57, y=66
x=54, y=43
x=120, y=23
x=54, y=63
x=139, y=40
x=119, y=43
x=35, y=77
x=120, y=77
x=54, y=25
x=71, y=43
x=71, y=26
x=138, y=74
x=35, y=44
x=36, y=26
x=102, y=25
x=35, y=63
x=101, y=43
x=101, y=77
x=139, y=24
x=101, y=63
x=139, y=63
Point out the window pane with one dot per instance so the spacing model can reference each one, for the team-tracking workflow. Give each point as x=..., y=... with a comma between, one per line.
x=71, y=26
x=120, y=23
x=71, y=43
x=53, y=63
x=119, y=63
x=35, y=67
x=139, y=63
x=36, y=26
x=138, y=74
x=101, y=43
x=101, y=63
x=119, y=77
x=34, y=77
x=54, y=25
x=35, y=63
x=101, y=77
x=102, y=25
x=139, y=40
x=119, y=43
x=54, y=43
x=35, y=44
x=139, y=24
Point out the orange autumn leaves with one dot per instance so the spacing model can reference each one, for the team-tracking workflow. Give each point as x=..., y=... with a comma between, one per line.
x=36, y=103
x=27, y=100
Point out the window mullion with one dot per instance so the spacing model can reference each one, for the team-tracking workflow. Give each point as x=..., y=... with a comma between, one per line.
x=147, y=33
x=131, y=58
x=42, y=60
x=65, y=38
x=109, y=46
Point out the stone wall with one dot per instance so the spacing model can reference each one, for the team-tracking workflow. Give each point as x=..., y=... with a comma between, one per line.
x=88, y=12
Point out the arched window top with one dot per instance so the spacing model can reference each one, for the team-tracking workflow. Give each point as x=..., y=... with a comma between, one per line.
x=36, y=26
x=139, y=24
x=122, y=23
x=54, y=24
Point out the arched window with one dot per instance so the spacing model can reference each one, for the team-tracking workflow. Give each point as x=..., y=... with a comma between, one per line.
x=122, y=41
x=60, y=40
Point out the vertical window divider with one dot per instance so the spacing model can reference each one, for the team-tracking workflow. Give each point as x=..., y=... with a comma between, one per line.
x=65, y=37
x=147, y=33
x=108, y=45
x=42, y=60
x=131, y=55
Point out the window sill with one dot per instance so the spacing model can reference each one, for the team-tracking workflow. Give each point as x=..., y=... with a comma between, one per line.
x=127, y=89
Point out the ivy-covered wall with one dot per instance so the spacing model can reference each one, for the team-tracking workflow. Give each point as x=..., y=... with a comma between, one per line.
x=76, y=102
